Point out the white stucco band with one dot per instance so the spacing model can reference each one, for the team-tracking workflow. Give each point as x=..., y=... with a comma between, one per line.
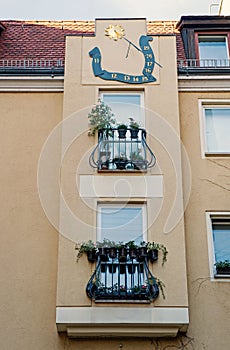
x=117, y=322
x=121, y=186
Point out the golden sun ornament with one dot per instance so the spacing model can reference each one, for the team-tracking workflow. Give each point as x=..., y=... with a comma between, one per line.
x=115, y=32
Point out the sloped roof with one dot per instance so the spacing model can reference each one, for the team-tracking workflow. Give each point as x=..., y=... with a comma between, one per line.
x=46, y=39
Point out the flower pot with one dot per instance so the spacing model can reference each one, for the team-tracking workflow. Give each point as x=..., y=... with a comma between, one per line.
x=103, y=254
x=134, y=133
x=120, y=163
x=122, y=133
x=92, y=255
x=122, y=254
x=141, y=253
x=112, y=253
x=153, y=255
x=132, y=253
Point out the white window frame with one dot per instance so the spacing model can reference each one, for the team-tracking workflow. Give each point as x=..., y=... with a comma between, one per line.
x=213, y=36
x=211, y=249
x=128, y=92
x=204, y=104
x=122, y=205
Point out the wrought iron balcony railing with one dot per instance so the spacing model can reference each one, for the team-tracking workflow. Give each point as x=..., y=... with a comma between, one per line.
x=203, y=66
x=118, y=151
x=31, y=66
x=122, y=278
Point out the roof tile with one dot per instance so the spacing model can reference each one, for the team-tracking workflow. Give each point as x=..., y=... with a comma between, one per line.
x=45, y=39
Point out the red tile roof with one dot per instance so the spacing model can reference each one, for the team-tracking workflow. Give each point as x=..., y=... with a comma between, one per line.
x=46, y=39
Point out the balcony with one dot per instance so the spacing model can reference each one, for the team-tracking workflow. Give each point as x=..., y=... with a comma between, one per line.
x=32, y=67
x=117, y=151
x=204, y=66
x=121, y=276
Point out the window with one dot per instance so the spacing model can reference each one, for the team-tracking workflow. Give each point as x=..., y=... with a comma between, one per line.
x=123, y=275
x=125, y=105
x=216, y=126
x=122, y=223
x=219, y=236
x=213, y=50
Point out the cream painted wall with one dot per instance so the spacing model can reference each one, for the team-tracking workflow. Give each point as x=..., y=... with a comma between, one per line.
x=209, y=300
x=28, y=249
x=81, y=91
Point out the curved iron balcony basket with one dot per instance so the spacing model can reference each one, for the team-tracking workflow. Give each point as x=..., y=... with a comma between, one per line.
x=122, y=278
x=122, y=150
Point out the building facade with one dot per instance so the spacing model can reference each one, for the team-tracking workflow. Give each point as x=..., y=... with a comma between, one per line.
x=168, y=184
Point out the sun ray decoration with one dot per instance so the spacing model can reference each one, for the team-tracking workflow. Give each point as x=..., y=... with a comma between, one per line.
x=115, y=32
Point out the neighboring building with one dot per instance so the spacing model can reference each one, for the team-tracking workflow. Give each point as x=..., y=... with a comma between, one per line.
x=168, y=184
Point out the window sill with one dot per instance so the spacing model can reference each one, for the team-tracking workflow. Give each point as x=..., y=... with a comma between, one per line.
x=222, y=276
x=123, y=301
x=217, y=154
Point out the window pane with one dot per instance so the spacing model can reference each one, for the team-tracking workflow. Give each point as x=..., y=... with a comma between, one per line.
x=125, y=106
x=217, y=131
x=221, y=239
x=122, y=224
x=213, y=50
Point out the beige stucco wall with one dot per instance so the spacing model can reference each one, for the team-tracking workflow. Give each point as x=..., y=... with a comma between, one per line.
x=208, y=300
x=29, y=243
x=162, y=120
x=28, y=249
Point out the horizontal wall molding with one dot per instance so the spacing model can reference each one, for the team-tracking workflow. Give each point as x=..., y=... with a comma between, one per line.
x=32, y=84
x=80, y=322
x=121, y=186
x=56, y=83
x=204, y=83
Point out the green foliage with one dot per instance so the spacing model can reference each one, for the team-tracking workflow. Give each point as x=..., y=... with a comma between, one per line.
x=84, y=248
x=100, y=117
x=106, y=243
x=133, y=124
x=223, y=264
x=131, y=245
x=136, y=155
x=122, y=126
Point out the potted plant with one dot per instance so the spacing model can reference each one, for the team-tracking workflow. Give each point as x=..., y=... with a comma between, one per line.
x=142, y=251
x=132, y=247
x=101, y=117
x=122, y=129
x=122, y=290
x=134, y=128
x=89, y=248
x=223, y=267
x=120, y=161
x=103, y=248
x=153, y=249
x=138, y=160
x=122, y=252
